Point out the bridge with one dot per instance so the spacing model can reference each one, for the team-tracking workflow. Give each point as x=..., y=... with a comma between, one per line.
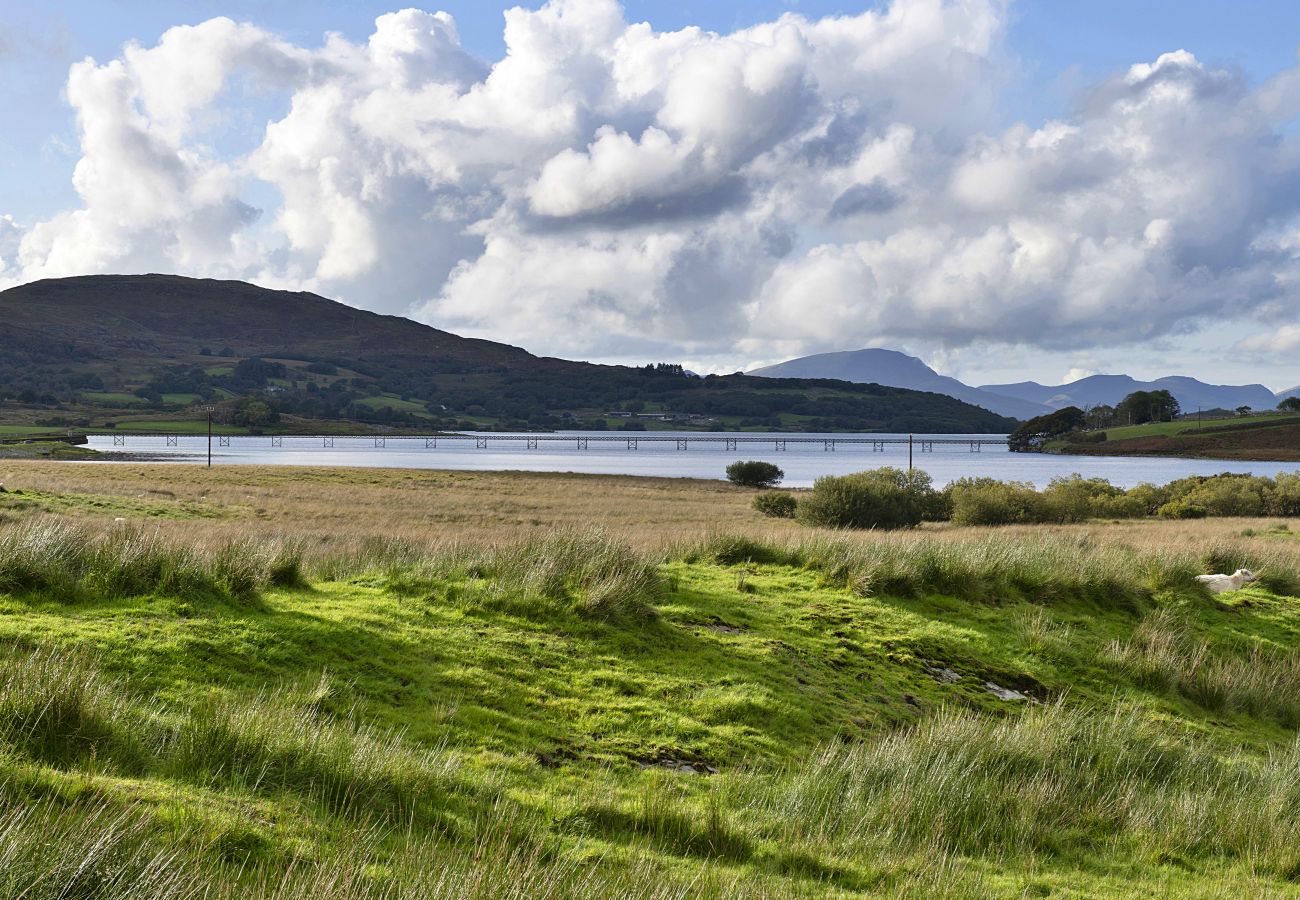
x=631, y=441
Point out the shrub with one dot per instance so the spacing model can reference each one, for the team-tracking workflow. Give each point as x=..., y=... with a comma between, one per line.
x=1231, y=495
x=1075, y=498
x=986, y=501
x=1181, y=509
x=776, y=504
x=754, y=473
x=1284, y=497
x=881, y=498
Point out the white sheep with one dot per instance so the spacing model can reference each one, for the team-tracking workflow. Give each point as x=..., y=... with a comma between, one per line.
x=1219, y=584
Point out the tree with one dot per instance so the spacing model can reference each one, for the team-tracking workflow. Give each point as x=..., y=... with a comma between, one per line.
x=1141, y=407
x=754, y=473
x=1032, y=435
x=1242, y=410
x=1290, y=404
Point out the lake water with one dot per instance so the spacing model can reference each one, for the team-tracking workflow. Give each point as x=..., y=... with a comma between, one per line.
x=802, y=462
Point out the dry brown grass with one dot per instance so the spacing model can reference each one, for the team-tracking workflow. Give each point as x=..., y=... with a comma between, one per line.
x=343, y=506
x=415, y=505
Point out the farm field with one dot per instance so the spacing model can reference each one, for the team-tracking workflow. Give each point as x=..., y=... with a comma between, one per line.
x=1266, y=437
x=278, y=682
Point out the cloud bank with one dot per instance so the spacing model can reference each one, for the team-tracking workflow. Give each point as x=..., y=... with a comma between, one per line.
x=608, y=191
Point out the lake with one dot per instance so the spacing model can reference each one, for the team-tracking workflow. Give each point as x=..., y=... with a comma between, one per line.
x=802, y=462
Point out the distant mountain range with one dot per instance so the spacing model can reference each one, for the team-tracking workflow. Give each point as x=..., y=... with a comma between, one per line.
x=894, y=369
x=1110, y=389
x=1024, y=399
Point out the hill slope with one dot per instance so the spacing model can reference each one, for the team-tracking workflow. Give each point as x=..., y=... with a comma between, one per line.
x=116, y=346
x=1096, y=390
x=895, y=369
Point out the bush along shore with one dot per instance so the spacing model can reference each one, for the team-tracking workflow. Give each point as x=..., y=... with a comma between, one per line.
x=959, y=714
x=892, y=498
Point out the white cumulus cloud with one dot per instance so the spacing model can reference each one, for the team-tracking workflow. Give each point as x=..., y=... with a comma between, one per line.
x=606, y=190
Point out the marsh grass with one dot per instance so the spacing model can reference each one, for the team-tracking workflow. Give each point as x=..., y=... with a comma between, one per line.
x=991, y=569
x=1163, y=654
x=291, y=789
x=1052, y=780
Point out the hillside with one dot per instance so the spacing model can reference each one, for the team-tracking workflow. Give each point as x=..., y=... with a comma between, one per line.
x=205, y=707
x=1272, y=437
x=889, y=367
x=152, y=348
x=1109, y=390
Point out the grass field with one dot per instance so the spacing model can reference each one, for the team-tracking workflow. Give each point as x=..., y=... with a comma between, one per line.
x=357, y=683
x=1191, y=424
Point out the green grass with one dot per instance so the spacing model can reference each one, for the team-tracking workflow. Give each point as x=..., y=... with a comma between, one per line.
x=395, y=403
x=246, y=719
x=1190, y=424
x=180, y=399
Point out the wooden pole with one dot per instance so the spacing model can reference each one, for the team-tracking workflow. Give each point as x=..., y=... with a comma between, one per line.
x=909, y=453
x=209, y=439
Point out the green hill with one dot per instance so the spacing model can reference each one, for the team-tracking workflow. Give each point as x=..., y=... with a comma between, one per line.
x=1271, y=437
x=83, y=351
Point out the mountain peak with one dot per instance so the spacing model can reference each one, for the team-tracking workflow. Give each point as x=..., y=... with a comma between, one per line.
x=893, y=368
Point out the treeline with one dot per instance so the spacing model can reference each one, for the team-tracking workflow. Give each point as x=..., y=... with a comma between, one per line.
x=550, y=398
x=892, y=498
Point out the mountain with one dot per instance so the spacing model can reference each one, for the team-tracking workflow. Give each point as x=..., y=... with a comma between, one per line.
x=889, y=367
x=1291, y=392
x=87, y=350
x=1111, y=389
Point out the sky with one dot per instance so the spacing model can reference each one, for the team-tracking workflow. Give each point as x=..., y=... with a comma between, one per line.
x=1009, y=189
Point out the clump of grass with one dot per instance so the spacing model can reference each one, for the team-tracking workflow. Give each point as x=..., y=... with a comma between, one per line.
x=41, y=557
x=1164, y=655
x=1051, y=780
x=89, y=851
x=57, y=708
x=588, y=571
x=67, y=564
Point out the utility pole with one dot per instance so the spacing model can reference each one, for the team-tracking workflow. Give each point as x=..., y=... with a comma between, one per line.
x=909, y=453
x=208, y=410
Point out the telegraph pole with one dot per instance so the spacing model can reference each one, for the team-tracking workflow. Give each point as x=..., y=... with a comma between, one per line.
x=909, y=453
x=208, y=410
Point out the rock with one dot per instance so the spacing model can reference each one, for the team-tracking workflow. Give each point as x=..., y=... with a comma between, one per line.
x=943, y=674
x=1004, y=693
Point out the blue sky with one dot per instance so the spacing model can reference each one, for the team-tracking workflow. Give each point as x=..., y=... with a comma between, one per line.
x=1047, y=60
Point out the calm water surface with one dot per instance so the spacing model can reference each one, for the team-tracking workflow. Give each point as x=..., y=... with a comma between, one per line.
x=802, y=462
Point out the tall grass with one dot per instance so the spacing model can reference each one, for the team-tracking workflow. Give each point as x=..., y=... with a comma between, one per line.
x=988, y=569
x=1163, y=655
x=1051, y=780
x=68, y=563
